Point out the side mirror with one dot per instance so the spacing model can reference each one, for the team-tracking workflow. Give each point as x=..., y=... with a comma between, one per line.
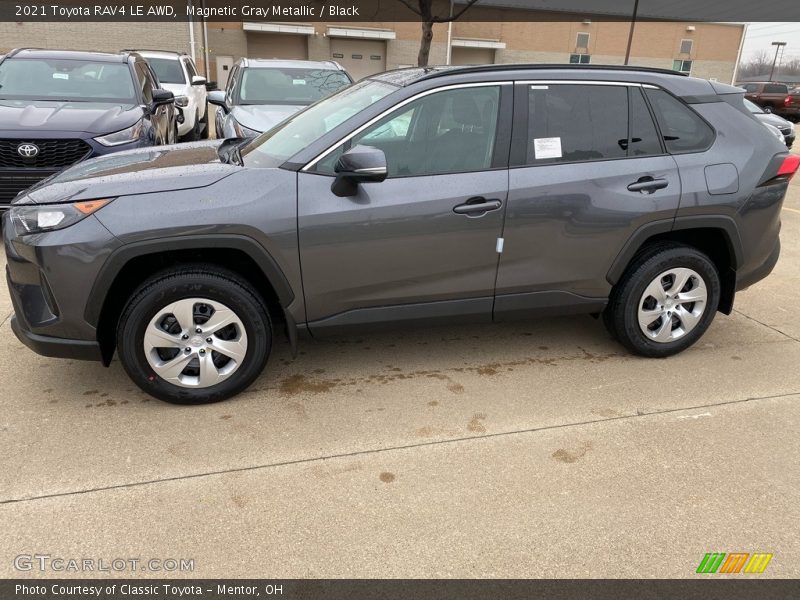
x=360, y=164
x=217, y=98
x=198, y=80
x=162, y=97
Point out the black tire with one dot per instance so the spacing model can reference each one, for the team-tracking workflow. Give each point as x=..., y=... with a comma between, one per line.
x=193, y=282
x=204, y=122
x=621, y=314
x=194, y=134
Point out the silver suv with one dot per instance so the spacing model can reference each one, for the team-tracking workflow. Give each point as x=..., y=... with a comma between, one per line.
x=414, y=196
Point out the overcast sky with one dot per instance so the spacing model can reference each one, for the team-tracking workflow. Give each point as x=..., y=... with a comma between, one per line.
x=761, y=35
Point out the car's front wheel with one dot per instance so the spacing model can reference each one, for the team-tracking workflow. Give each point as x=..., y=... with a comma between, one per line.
x=665, y=301
x=194, y=336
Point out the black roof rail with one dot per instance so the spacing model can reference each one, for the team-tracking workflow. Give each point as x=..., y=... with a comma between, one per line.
x=18, y=50
x=544, y=66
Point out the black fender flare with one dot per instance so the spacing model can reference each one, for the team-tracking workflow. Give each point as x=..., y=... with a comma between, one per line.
x=722, y=222
x=122, y=255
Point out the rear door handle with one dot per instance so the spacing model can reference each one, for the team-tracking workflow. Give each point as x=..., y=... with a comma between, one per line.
x=473, y=206
x=648, y=185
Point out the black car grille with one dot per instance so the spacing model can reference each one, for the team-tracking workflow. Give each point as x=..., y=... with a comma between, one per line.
x=53, y=154
x=10, y=186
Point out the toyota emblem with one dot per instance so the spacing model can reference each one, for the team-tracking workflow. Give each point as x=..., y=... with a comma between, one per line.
x=28, y=150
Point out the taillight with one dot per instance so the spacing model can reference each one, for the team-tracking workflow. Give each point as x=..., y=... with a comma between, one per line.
x=789, y=166
x=787, y=101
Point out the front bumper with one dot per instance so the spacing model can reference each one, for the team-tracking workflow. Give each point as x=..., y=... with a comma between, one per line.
x=56, y=347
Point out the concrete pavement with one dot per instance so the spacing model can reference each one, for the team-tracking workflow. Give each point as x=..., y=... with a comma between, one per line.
x=535, y=449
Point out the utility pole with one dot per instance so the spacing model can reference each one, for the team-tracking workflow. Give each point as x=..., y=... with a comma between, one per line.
x=778, y=46
x=630, y=34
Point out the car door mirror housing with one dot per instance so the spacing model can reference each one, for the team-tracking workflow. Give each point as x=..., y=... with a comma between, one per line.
x=198, y=80
x=217, y=98
x=161, y=97
x=360, y=164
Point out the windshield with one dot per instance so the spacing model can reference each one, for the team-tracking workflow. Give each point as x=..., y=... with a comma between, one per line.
x=67, y=80
x=752, y=107
x=275, y=146
x=289, y=86
x=168, y=70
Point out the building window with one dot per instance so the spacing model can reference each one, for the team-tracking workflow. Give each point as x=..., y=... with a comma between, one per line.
x=682, y=66
x=582, y=41
x=686, y=46
x=580, y=59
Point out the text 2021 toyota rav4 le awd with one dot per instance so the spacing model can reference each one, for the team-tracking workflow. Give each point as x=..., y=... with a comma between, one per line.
x=414, y=195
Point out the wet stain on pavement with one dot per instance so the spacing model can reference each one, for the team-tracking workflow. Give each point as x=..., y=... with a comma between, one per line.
x=476, y=425
x=571, y=455
x=387, y=477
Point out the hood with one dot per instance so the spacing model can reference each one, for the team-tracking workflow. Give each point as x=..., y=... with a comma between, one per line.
x=144, y=171
x=773, y=120
x=263, y=117
x=47, y=116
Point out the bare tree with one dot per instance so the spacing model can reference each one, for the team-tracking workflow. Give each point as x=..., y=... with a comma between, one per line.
x=758, y=65
x=424, y=9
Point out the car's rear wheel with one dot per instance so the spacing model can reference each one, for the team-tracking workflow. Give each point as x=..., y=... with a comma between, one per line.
x=665, y=301
x=194, y=336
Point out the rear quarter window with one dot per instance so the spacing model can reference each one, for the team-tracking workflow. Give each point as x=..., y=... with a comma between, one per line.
x=774, y=88
x=682, y=129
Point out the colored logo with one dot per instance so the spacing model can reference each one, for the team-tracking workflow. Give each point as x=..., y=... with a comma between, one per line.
x=735, y=562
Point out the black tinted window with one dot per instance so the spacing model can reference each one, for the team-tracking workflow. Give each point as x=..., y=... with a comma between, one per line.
x=643, y=135
x=569, y=123
x=682, y=128
x=775, y=88
x=168, y=70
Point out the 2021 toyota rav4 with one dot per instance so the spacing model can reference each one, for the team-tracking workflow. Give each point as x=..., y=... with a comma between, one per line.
x=415, y=195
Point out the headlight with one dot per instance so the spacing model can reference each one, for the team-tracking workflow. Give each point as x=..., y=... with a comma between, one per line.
x=242, y=131
x=30, y=218
x=131, y=134
x=182, y=101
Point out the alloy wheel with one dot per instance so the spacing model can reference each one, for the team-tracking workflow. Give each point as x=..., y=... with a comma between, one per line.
x=672, y=305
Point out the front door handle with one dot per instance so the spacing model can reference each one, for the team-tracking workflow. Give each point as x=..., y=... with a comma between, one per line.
x=648, y=185
x=473, y=206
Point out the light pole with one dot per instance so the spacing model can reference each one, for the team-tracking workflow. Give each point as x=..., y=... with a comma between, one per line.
x=778, y=46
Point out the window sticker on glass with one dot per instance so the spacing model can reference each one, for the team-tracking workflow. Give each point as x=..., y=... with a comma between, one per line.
x=60, y=75
x=540, y=87
x=547, y=147
x=298, y=81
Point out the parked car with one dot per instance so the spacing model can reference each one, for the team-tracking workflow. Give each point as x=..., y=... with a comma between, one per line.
x=413, y=196
x=784, y=127
x=793, y=105
x=59, y=107
x=262, y=93
x=772, y=97
x=177, y=73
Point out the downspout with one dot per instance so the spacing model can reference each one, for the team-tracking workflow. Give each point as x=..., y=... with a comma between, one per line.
x=739, y=55
x=450, y=34
x=205, y=40
x=191, y=32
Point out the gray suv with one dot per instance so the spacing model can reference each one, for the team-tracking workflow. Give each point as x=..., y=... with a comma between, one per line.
x=418, y=195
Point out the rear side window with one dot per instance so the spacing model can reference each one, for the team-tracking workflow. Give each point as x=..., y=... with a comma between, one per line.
x=775, y=88
x=682, y=128
x=577, y=123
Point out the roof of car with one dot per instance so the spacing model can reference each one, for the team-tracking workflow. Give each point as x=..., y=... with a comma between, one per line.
x=68, y=54
x=692, y=89
x=264, y=63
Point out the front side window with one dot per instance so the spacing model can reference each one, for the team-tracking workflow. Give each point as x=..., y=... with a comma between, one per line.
x=145, y=84
x=274, y=147
x=65, y=80
x=289, y=86
x=168, y=70
x=682, y=128
x=450, y=131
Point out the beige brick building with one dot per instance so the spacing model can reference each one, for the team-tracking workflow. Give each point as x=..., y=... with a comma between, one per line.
x=708, y=50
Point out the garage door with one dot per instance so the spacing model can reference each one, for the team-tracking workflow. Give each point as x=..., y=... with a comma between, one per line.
x=360, y=57
x=277, y=45
x=472, y=56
